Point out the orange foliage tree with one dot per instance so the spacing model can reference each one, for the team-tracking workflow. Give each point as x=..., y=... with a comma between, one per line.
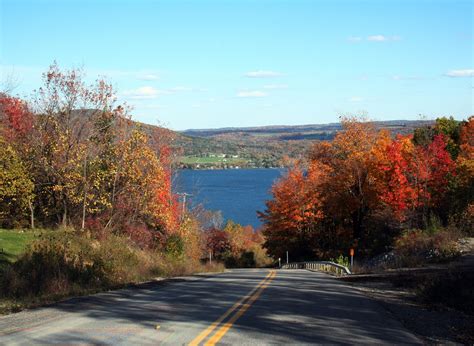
x=358, y=190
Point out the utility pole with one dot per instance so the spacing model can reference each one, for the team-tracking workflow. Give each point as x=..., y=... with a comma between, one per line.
x=184, y=195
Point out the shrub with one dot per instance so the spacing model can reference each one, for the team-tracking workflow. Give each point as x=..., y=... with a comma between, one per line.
x=140, y=235
x=247, y=260
x=343, y=261
x=261, y=257
x=416, y=247
x=70, y=262
x=464, y=221
x=175, y=246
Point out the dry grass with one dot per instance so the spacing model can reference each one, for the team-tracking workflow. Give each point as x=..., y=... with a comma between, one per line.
x=68, y=263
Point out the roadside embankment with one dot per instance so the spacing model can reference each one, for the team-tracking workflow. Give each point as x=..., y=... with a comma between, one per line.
x=436, y=302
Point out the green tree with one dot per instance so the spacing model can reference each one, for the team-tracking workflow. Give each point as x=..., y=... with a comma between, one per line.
x=451, y=128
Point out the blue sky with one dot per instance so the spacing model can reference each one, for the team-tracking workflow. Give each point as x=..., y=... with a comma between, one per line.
x=204, y=64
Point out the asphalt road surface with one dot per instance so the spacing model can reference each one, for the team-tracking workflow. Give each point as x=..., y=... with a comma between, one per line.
x=252, y=306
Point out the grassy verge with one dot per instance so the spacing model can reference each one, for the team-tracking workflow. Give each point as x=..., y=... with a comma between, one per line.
x=14, y=242
x=61, y=264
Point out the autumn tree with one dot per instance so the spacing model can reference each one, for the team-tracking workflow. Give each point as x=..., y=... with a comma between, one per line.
x=395, y=188
x=89, y=163
x=291, y=217
x=17, y=129
x=350, y=190
x=217, y=243
x=67, y=111
x=462, y=193
x=16, y=187
x=359, y=190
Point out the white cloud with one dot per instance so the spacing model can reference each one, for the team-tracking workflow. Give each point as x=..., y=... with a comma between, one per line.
x=356, y=99
x=460, y=73
x=145, y=92
x=148, y=77
x=275, y=86
x=251, y=93
x=262, y=74
x=374, y=38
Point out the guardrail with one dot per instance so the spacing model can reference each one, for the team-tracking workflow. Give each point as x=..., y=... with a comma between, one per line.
x=324, y=266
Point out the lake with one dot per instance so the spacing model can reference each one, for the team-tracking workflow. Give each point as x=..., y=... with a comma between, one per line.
x=238, y=193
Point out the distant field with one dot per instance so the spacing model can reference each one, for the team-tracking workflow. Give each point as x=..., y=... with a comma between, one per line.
x=211, y=160
x=14, y=242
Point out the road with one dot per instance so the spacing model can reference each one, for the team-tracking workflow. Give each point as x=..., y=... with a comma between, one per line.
x=246, y=306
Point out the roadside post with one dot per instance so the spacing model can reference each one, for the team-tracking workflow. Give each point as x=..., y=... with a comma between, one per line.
x=279, y=262
x=352, y=257
x=287, y=258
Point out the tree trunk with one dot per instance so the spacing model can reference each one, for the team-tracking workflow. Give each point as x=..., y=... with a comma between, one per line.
x=32, y=215
x=84, y=201
x=64, y=222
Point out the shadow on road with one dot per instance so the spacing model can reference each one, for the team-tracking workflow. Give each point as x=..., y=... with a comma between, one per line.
x=298, y=307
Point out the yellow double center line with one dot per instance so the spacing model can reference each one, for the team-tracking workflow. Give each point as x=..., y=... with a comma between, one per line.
x=243, y=303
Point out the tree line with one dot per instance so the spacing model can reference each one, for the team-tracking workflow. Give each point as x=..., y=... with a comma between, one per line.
x=72, y=156
x=366, y=188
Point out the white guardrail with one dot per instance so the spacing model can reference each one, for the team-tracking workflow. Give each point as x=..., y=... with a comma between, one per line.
x=324, y=266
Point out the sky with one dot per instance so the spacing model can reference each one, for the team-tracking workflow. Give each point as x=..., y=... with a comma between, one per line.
x=222, y=63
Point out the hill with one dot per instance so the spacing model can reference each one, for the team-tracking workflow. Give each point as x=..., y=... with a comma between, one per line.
x=265, y=146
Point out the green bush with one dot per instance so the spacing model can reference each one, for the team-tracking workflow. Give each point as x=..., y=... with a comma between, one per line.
x=343, y=261
x=175, y=246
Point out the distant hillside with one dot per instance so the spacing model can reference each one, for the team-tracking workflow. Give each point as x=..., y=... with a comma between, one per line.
x=265, y=146
x=295, y=132
x=253, y=147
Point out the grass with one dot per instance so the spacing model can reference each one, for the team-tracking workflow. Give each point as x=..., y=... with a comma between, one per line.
x=67, y=263
x=14, y=242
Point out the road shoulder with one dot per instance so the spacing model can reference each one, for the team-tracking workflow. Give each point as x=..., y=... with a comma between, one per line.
x=432, y=324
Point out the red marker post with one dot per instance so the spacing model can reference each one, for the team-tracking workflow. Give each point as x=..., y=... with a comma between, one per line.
x=351, y=252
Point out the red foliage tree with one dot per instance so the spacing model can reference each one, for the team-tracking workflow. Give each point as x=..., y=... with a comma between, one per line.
x=15, y=117
x=217, y=242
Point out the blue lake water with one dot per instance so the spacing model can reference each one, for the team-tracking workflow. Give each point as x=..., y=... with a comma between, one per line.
x=238, y=193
